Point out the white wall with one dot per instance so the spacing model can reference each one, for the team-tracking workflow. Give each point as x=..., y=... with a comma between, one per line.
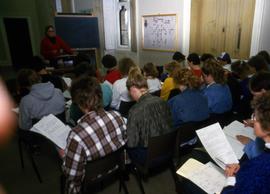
x=265, y=28
x=179, y=7
x=261, y=27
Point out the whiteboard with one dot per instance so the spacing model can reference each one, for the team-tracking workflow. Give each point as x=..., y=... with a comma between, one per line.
x=159, y=32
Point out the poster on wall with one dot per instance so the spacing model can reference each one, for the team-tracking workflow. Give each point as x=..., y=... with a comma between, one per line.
x=159, y=32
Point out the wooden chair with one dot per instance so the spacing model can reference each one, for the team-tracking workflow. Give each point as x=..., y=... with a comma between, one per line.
x=160, y=151
x=98, y=170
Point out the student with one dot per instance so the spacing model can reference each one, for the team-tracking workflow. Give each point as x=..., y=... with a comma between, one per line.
x=120, y=92
x=83, y=70
x=242, y=72
x=225, y=60
x=39, y=67
x=182, y=108
x=266, y=57
x=168, y=84
x=253, y=176
x=259, y=85
x=113, y=74
x=178, y=58
x=150, y=72
x=258, y=63
x=216, y=90
x=194, y=64
x=52, y=46
x=149, y=117
x=42, y=100
x=206, y=56
x=97, y=134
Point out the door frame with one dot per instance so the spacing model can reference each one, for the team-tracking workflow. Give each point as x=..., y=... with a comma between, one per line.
x=8, y=62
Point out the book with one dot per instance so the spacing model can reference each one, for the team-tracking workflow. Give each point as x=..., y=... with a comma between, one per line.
x=53, y=129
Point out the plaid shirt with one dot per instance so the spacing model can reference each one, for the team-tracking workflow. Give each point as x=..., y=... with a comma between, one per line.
x=96, y=135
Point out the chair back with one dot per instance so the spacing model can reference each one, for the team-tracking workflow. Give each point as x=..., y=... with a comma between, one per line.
x=156, y=93
x=223, y=118
x=173, y=93
x=124, y=107
x=97, y=170
x=162, y=145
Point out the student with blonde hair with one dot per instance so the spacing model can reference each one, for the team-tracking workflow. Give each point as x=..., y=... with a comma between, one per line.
x=182, y=108
x=149, y=117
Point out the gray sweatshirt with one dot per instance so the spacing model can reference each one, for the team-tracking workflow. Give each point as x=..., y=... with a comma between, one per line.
x=42, y=100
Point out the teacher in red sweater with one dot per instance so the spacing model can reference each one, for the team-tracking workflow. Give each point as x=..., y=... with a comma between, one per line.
x=52, y=46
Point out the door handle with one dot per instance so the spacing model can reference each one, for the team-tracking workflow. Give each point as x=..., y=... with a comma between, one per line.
x=239, y=38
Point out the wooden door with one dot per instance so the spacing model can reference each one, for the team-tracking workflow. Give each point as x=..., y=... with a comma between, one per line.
x=221, y=25
x=239, y=28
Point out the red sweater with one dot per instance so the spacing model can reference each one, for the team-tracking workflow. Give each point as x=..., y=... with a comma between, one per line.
x=113, y=76
x=51, y=51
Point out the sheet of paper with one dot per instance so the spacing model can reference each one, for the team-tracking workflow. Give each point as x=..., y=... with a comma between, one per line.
x=208, y=177
x=216, y=144
x=66, y=94
x=189, y=166
x=52, y=128
x=16, y=110
x=67, y=81
x=238, y=128
x=237, y=146
x=68, y=103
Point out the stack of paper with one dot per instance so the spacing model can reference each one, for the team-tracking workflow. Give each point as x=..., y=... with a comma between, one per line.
x=208, y=176
x=234, y=129
x=54, y=129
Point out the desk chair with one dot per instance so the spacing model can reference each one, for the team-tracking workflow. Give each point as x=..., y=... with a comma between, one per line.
x=124, y=108
x=156, y=93
x=98, y=170
x=160, y=151
x=186, y=132
x=32, y=141
x=173, y=93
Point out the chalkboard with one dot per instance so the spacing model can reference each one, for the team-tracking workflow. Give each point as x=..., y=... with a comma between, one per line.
x=159, y=32
x=78, y=31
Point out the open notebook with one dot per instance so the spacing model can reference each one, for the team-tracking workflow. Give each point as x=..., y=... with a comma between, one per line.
x=54, y=129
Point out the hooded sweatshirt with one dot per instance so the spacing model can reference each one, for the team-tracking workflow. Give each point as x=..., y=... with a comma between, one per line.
x=42, y=100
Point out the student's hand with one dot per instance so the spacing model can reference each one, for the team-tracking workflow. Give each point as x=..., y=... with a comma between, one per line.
x=61, y=153
x=243, y=139
x=231, y=169
x=248, y=123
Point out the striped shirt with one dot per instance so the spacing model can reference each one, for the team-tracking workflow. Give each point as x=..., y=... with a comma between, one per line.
x=96, y=135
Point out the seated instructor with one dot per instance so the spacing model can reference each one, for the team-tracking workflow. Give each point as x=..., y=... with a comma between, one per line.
x=52, y=46
x=97, y=134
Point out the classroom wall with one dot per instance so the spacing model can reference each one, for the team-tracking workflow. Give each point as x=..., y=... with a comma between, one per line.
x=38, y=13
x=265, y=28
